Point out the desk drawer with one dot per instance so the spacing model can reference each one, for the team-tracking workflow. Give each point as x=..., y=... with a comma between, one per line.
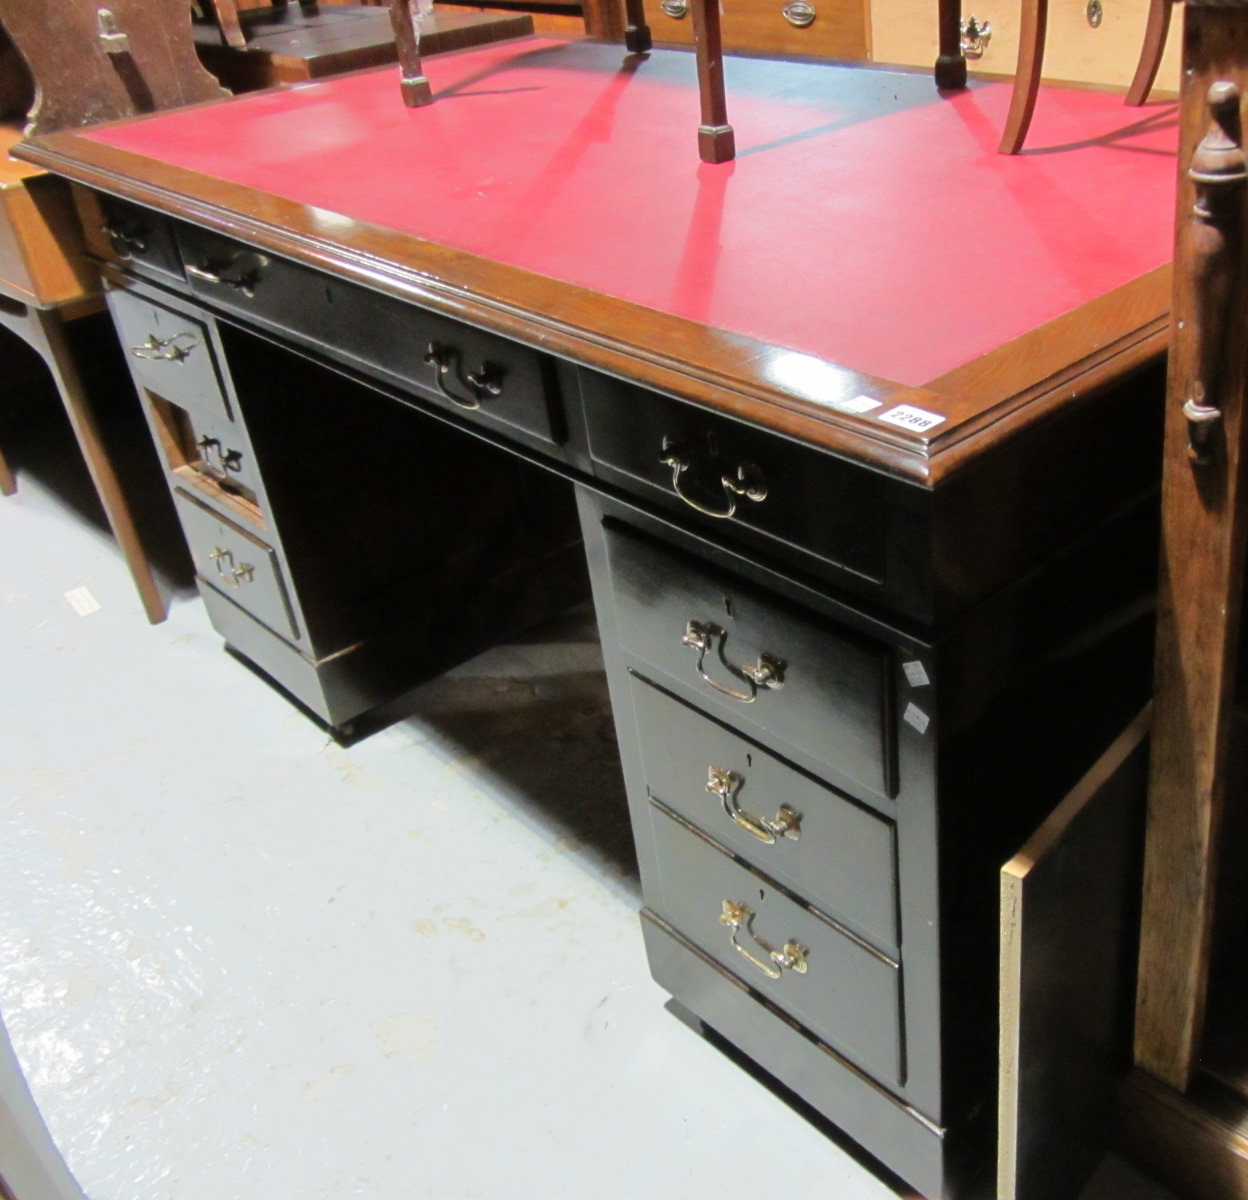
x=459, y=368
x=823, y=28
x=217, y=455
x=840, y=989
x=820, y=694
x=136, y=238
x=170, y=354
x=791, y=498
x=236, y=564
x=833, y=852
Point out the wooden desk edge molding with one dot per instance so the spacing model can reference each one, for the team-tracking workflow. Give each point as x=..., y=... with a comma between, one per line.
x=1020, y=384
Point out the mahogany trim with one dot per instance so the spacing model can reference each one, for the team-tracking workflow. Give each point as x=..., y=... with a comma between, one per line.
x=721, y=370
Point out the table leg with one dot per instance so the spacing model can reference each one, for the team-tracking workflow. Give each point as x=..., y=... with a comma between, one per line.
x=46, y=334
x=716, y=141
x=7, y=483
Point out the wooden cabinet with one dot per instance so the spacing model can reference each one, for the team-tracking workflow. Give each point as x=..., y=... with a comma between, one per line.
x=904, y=31
x=342, y=544
x=784, y=28
x=822, y=789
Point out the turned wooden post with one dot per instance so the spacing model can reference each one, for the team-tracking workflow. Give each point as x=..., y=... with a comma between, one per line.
x=1200, y=600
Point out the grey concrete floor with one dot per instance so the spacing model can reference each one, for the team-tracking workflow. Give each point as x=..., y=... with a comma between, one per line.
x=241, y=961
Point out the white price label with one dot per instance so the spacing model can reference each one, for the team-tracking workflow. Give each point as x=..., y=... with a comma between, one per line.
x=908, y=417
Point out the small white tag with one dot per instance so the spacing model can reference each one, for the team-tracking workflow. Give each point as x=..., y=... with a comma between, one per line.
x=916, y=676
x=917, y=717
x=859, y=404
x=82, y=602
x=908, y=417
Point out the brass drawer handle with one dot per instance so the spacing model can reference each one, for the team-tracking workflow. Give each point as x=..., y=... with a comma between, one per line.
x=726, y=784
x=176, y=349
x=799, y=13
x=768, y=672
x=790, y=957
x=676, y=9
x=230, y=574
x=748, y=482
x=242, y=272
x=125, y=242
x=210, y=449
x=483, y=384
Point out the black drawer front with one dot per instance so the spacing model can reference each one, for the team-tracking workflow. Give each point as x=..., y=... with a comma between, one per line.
x=139, y=239
x=461, y=369
x=836, y=987
x=170, y=353
x=737, y=481
x=706, y=632
x=834, y=853
x=237, y=564
x=223, y=458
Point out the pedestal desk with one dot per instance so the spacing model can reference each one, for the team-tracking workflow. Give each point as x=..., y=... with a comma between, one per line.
x=862, y=430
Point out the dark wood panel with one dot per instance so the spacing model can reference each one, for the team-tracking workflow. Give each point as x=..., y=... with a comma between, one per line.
x=834, y=28
x=835, y=853
x=816, y=669
x=837, y=988
x=1069, y=934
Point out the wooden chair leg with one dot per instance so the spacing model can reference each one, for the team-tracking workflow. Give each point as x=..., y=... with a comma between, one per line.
x=415, y=85
x=1027, y=78
x=951, y=65
x=1150, y=55
x=53, y=345
x=8, y=485
x=229, y=24
x=716, y=141
x=637, y=39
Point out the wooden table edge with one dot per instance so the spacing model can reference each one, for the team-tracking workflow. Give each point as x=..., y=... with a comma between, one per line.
x=714, y=368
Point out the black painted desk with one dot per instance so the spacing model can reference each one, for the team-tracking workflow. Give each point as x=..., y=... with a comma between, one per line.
x=863, y=434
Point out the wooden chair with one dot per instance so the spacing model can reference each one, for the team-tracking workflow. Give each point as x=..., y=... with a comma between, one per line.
x=716, y=140
x=226, y=13
x=1031, y=38
x=293, y=43
x=91, y=64
x=1185, y=1111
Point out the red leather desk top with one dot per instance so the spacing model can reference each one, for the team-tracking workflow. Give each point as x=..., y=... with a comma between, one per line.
x=866, y=220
